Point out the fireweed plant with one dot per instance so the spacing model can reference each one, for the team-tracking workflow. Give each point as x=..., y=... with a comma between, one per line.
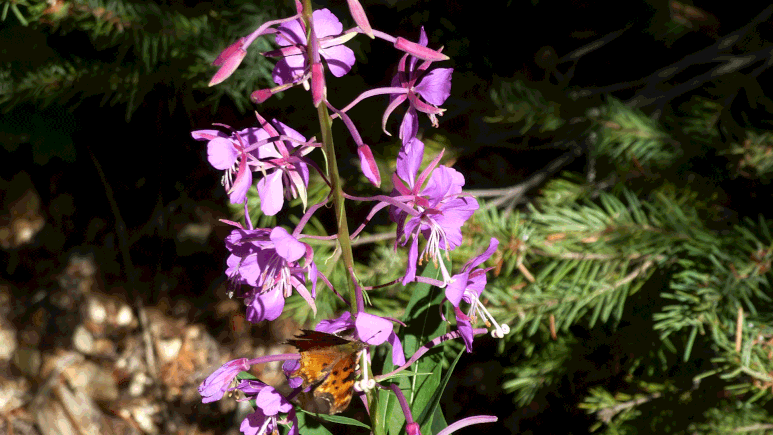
x=266, y=265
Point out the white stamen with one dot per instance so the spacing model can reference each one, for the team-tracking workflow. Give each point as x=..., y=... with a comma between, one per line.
x=446, y=276
x=432, y=250
x=227, y=179
x=477, y=307
x=265, y=425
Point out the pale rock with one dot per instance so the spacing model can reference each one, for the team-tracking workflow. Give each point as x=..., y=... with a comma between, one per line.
x=96, y=311
x=82, y=340
x=8, y=342
x=125, y=317
x=143, y=416
x=138, y=383
x=168, y=349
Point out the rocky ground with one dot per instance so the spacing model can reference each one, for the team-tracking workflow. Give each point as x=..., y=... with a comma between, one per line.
x=86, y=349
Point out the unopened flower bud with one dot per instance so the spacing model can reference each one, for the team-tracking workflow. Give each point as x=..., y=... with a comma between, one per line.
x=318, y=90
x=419, y=51
x=228, y=60
x=358, y=13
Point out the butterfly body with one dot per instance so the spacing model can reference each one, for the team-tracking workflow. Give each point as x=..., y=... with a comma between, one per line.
x=328, y=365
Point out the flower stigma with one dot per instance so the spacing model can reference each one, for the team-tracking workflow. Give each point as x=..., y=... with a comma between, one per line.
x=365, y=384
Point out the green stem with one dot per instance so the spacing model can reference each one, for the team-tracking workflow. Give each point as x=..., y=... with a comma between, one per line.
x=325, y=125
x=338, y=200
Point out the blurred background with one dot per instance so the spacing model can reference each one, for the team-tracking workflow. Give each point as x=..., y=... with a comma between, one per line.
x=621, y=152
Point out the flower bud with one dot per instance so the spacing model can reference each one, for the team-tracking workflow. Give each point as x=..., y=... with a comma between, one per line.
x=228, y=60
x=419, y=51
x=358, y=13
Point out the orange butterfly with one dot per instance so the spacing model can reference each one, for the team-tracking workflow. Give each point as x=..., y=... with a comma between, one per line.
x=328, y=364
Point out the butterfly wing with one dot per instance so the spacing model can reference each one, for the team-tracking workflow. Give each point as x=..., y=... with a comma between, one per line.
x=327, y=362
x=316, y=364
x=335, y=392
x=309, y=339
x=319, y=353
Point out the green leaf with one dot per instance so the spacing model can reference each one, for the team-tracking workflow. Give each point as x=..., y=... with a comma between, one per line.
x=394, y=418
x=424, y=322
x=426, y=418
x=309, y=426
x=337, y=419
x=19, y=15
x=438, y=422
x=386, y=404
x=690, y=342
x=421, y=314
x=404, y=375
x=246, y=375
x=424, y=391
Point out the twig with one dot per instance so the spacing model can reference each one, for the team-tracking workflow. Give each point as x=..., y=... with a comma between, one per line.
x=123, y=243
x=358, y=241
x=605, y=288
x=633, y=275
x=731, y=64
x=702, y=56
x=595, y=45
x=754, y=427
x=575, y=55
x=739, y=330
x=53, y=377
x=601, y=257
x=664, y=74
x=373, y=238
x=607, y=414
x=514, y=194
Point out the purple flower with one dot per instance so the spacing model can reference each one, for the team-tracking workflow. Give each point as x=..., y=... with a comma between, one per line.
x=468, y=285
x=287, y=172
x=292, y=68
x=425, y=91
x=464, y=326
x=290, y=366
x=372, y=330
x=258, y=149
x=214, y=387
x=269, y=403
x=267, y=260
x=229, y=153
x=442, y=207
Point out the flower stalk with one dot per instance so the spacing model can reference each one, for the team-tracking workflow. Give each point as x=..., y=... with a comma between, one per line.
x=328, y=147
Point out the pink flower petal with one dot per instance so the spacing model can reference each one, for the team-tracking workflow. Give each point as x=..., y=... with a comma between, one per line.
x=271, y=193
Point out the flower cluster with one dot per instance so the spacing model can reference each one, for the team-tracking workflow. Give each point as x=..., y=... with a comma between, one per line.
x=267, y=261
x=275, y=150
x=266, y=265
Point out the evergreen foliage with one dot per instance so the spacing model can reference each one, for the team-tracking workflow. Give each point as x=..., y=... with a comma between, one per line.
x=584, y=248
x=119, y=51
x=638, y=249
